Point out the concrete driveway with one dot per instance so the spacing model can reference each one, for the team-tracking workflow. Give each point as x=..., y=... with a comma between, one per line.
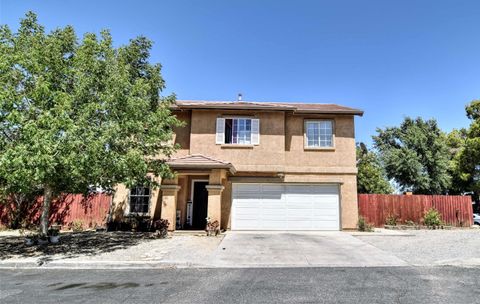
x=299, y=249
x=235, y=249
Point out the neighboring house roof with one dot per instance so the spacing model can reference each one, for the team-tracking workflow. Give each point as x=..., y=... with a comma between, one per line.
x=312, y=108
x=199, y=161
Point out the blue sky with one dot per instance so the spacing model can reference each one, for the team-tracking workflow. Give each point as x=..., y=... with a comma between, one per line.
x=390, y=58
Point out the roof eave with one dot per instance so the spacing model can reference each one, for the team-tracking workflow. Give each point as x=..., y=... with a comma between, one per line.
x=233, y=107
x=346, y=112
x=229, y=167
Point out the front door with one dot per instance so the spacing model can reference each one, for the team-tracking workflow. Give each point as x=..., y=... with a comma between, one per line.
x=200, y=202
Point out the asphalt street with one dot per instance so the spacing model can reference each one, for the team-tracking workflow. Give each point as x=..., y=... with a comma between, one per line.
x=243, y=285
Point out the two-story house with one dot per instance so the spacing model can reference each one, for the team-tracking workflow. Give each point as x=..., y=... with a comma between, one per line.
x=257, y=166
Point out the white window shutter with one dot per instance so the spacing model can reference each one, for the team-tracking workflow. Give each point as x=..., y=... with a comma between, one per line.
x=220, y=137
x=255, y=131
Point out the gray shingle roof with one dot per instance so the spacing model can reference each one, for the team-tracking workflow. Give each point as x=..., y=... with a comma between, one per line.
x=313, y=108
x=199, y=161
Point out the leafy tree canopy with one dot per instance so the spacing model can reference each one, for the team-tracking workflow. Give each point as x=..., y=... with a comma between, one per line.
x=79, y=113
x=415, y=155
x=467, y=161
x=456, y=143
x=371, y=177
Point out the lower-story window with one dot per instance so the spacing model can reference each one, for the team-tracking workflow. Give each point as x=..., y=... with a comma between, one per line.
x=139, y=199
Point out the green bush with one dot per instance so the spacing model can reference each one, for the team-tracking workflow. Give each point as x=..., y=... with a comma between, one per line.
x=77, y=226
x=432, y=218
x=391, y=220
x=363, y=225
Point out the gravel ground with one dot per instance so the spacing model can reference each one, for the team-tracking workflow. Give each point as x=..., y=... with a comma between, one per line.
x=114, y=247
x=432, y=247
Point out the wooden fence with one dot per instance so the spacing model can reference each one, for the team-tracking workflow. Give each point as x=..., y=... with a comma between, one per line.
x=455, y=210
x=89, y=211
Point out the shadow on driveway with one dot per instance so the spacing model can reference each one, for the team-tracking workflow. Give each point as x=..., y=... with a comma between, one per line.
x=72, y=244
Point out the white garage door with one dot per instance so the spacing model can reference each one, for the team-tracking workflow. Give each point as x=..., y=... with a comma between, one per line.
x=285, y=207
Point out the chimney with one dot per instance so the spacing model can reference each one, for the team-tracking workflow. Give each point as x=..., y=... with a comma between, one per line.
x=239, y=97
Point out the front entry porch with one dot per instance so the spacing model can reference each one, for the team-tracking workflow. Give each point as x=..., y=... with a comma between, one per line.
x=195, y=194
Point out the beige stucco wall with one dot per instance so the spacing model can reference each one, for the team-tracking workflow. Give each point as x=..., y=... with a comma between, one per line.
x=182, y=197
x=181, y=135
x=226, y=205
x=337, y=160
x=266, y=155
x=281, y=150
x=121, y=206
x=281, y=147
x=119, y=203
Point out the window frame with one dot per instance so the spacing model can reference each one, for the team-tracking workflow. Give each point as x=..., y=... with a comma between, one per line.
x=305, y=138
x=238, y=118
x=130, y=212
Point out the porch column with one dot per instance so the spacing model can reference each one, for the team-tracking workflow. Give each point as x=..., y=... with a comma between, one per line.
x=169, y=204
x=214, y=209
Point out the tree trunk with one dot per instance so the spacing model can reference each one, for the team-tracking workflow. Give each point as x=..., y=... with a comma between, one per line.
x=47, y=199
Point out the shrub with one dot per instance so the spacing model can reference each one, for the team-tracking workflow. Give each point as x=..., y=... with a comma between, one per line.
x=363, y=225
x=391, y=220
x=161, y=227
x=409, y=223
x=213, y=228
x=77, y=225
x=432, y=218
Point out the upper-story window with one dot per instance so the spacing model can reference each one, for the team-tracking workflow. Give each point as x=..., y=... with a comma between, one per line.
x=319, y=134
x=238, y=131
x=139, y=199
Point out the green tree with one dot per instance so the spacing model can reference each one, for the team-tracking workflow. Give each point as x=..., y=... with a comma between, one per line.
x=77, y=114
x=415, y=155
x=467, y=160
x=456, y=143
x=371, y=177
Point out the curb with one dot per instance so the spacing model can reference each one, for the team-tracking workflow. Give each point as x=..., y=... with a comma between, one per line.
x=19, y=265
x=91, y=265
x=105, y=265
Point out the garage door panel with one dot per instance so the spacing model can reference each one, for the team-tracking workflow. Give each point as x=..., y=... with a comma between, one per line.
x=273, y=225
x=247, y=212
x=243, y=203
x=249, y=224
x=324, y=190
x=295, y=199
x=324, y=225
x=249, y=191
x=298, y=215
x=299, y=225
x=298, y=189
x=322, y=199
x=324, y=212
x=298, y=205
x=325, y=205
x=277, y=203
x=285, y=207
x=272, y=188
x=322, y=218
x=278, y=213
